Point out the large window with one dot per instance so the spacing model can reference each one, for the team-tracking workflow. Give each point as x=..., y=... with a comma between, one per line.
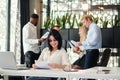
x=15, y=29
x=104, y=9
x=3, y=24
x=13, y=42
x=98, y=8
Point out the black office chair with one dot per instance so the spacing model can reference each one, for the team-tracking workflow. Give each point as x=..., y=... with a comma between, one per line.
x=105, y=57
x=1, y=77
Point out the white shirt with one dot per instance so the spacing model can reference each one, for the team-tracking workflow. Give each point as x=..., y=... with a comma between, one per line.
x=58, y=57
x=30, y=41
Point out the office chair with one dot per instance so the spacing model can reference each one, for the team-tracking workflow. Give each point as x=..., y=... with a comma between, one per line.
x=105, y=57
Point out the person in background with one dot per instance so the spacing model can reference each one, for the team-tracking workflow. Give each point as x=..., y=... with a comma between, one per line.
x=30, y=41
x=92, y=42
x=79, y=63
x=56, y=27
x=54, y=54
x=44, y=43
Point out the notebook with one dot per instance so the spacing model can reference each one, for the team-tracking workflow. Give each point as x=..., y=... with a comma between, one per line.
x=8, y=61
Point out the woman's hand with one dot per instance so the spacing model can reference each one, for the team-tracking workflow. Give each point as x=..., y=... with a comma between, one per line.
x=41, y=39
x=53, y=65
x=79, y=43
x=76, y=50
x=34, y=66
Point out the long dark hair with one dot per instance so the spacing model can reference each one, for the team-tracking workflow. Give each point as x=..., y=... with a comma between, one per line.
x=57, y=36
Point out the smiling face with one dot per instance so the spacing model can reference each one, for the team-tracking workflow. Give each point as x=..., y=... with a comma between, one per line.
x=53, y=42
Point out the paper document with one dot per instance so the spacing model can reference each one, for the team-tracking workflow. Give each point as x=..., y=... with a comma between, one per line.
x=71, y=45
x=81, y=48
x=45, y=35
x=74, y=43
x=42, y=65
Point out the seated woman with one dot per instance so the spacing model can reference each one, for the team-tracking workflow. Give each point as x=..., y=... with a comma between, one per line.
x=79, y=63
x=54, y=54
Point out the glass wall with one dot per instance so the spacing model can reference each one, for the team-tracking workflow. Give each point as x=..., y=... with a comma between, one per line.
x=13, y=27
x=105, y=10
x=104, y=2
x=98, y=8
x=3, y=24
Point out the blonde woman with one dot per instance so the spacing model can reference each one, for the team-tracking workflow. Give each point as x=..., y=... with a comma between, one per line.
x=79, y=63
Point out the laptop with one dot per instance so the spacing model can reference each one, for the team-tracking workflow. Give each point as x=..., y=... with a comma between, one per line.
x=8, y=61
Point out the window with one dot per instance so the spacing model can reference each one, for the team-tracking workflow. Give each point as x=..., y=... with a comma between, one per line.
x=14, y=26
x=3, y=24
x=104, y=9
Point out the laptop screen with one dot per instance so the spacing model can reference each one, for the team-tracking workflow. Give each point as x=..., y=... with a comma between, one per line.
x=7, y=60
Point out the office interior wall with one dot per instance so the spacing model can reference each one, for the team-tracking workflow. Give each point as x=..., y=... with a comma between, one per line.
x=36, y=7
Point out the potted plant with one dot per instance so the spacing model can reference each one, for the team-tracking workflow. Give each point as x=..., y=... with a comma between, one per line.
x=71, y=20
x=116, y=31
x=47, y=23
x=104, y=22
x=64, y=20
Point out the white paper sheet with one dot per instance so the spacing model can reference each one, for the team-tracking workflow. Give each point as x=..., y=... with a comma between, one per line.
x=42, y=65
x=74, y=43
x=45, y=35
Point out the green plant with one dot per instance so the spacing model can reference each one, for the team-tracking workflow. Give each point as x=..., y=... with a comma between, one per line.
x=104, y=22
x=117, y=19
x=47, y=23
x=58, y=21
x=70, y=21
x=52, y=23
x=78, y=22
x=95, y=19
x=64, y=20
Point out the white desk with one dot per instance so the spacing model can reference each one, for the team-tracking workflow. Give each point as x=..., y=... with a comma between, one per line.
x=93, y=73
x=35, y=72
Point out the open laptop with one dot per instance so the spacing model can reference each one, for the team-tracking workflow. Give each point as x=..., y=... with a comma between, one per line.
x=8, y=61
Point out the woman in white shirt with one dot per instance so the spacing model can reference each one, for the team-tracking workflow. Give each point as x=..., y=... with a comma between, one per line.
x=54, y=54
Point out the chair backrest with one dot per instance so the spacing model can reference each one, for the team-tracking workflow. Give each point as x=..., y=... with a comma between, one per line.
x=105, y=57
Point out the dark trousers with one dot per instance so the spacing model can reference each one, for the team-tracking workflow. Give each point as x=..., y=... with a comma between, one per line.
x=91, y=58
x=80, y=62
x=30, y=57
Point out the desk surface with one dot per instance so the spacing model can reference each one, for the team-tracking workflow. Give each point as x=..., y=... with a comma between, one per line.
x=97, y=73
x=93, y=73
x=35, y=72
